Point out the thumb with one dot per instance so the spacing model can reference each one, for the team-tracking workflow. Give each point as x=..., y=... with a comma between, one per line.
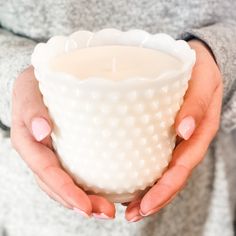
x=35, y=115
x=201, y=88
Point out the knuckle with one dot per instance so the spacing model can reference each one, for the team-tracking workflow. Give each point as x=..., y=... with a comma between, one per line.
x=47, y=169
x=51, y=171
x=20, y=80
x=42, y=172
x=202, y=104
x=184, y=168
x=31, y=111
x=64, y=185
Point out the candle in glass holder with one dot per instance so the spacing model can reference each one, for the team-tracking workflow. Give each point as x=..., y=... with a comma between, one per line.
x=115, y=62
x=113, y=97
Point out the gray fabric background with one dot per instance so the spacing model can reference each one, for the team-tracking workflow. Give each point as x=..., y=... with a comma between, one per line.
x=206, y=206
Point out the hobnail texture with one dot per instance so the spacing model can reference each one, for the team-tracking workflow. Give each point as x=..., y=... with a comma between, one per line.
x=114, y=137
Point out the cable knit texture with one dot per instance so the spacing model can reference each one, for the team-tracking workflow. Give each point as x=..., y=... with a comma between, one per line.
x=206, y=206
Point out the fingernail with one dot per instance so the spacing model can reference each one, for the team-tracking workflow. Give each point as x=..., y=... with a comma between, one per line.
x=135, y=219
x=102, y=216
x=149, y=212
x=40, y=128
x=81, y=212
x=186, y=127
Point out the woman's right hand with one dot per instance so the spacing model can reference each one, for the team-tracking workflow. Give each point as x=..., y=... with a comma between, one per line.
x=30, y=135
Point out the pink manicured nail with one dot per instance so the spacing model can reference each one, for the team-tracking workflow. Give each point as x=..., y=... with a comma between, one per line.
x=136, y=218
x=40, y=128
x=186, y=127
x=102, y=216
x=81, y=212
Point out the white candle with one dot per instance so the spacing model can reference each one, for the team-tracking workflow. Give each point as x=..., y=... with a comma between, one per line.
x=115, y=62
x=114, y=136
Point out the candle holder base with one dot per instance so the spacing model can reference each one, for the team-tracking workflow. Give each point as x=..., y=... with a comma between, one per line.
x=123, y=197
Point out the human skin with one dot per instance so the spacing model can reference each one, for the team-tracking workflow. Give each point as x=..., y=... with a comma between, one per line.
x=30, y=135
x=196, y=125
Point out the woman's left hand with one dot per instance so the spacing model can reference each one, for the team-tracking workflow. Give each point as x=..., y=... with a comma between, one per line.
x=196, y=123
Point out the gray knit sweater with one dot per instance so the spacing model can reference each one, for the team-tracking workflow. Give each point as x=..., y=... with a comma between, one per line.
x=206, y=206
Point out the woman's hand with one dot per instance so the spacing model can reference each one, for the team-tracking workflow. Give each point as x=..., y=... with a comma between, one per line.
x=30, y=135
x=196, y=123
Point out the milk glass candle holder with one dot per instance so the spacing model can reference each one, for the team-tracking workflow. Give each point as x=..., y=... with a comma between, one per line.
x=114, y=136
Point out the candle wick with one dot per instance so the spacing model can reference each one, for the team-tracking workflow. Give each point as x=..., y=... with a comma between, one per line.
x=113, y=65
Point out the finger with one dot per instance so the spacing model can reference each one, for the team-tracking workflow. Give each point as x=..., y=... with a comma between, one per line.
x=30, y=105
x=101, y=207
x=185, y=157
x=201, y=88
x=51, y=194
x=162, y=192
x=202, y=136
x=46, y=166
x=132, y=211
x=155, y=210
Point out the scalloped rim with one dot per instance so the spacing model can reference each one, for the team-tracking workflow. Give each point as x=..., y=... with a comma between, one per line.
x=58, y=45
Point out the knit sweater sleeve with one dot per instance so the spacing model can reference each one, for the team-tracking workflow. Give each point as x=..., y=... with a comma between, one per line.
x=15, y=54
x=220, y=38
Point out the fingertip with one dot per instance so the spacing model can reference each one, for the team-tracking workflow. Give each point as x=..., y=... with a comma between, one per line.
x=40, y=128
x=136, y=218
x=132, y=211
x=145, y=205
x=77, y=198
x=101, y=207
x=154, y=199
x=102, y=216
x=81, y=212
x=84, y=203
x=148, y=206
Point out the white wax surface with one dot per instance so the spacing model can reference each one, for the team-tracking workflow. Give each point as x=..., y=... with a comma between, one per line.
x=115, y=62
